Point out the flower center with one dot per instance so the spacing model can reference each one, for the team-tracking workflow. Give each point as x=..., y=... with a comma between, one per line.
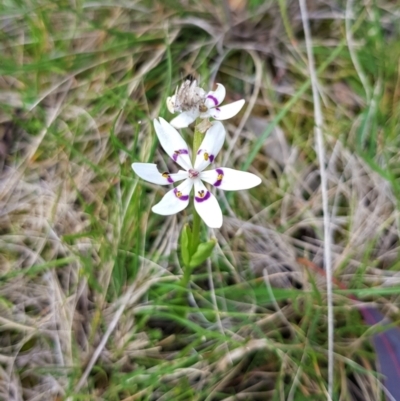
x=193, y=173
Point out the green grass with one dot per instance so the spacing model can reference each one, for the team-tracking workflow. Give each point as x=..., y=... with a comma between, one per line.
x=81, y=252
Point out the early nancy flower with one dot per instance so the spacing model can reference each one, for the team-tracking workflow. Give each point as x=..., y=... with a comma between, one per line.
x=178, y=198
x=192, y=102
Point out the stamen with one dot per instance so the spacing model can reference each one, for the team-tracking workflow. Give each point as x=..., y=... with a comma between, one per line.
x=203, y=108
x=220, y=177
x=180, y=196
x=167, y=176
x=202, y=196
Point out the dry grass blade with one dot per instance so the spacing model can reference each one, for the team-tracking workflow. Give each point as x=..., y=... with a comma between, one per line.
x=324, y=191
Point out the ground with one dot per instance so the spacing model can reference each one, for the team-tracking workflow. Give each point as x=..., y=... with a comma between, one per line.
x=91, y=307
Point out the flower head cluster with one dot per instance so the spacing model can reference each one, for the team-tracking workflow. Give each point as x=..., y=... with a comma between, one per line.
x=192, y=102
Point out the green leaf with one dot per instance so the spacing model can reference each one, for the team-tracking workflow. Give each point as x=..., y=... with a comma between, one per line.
x=185, y=241
x=203, y=252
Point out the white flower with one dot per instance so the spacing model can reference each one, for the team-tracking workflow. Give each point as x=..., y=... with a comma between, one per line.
x=193, y=102
x=178, y=198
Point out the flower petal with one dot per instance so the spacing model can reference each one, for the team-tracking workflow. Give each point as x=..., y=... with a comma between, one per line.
x=227, y=111
x=173, y=144
x=184, y=119
x=210, y=147
x=171, y=104
x=175, y=200
x=183, y=175
x=150, y=172
x=229, y=179
x=214, y=98
x=207, y=205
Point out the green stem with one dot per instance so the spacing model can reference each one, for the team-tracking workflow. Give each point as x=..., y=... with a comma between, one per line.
x=195, y=236
x=187, y=271
x=197, y=140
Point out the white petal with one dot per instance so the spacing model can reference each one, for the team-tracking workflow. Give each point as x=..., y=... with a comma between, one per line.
x=214, y=98
x=210, y=147
x=207, y=205
x=184, y=119
x=206, y=114
x=229, y=179
x=181, y=175
x=150, y=172
x=175, y=200
x=171, y=104
x=173, y=144
x=227, y=111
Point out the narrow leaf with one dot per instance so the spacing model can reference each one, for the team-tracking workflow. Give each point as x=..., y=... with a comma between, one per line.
x=203, y=252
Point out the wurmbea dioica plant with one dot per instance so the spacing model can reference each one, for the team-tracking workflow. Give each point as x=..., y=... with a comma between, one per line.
x=177, y=198
x=192, y=102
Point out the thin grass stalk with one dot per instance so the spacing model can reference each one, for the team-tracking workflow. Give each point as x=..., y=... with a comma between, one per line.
x=352, y=52
x=318, y=117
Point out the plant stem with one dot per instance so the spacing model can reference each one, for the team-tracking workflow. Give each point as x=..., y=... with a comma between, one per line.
x=195, y=237
x=187, y=271
x=197, y=139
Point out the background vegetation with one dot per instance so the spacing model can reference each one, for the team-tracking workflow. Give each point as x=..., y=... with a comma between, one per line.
x=88, y=274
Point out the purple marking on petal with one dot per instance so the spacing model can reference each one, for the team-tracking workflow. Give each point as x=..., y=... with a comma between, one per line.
x=204, y=198
x=199, y=151
x=211, y=157
x=213, y=98
x=219, y=177
x=179, y=195
x=167, y=177
x=179, y=152
x=218, y=109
